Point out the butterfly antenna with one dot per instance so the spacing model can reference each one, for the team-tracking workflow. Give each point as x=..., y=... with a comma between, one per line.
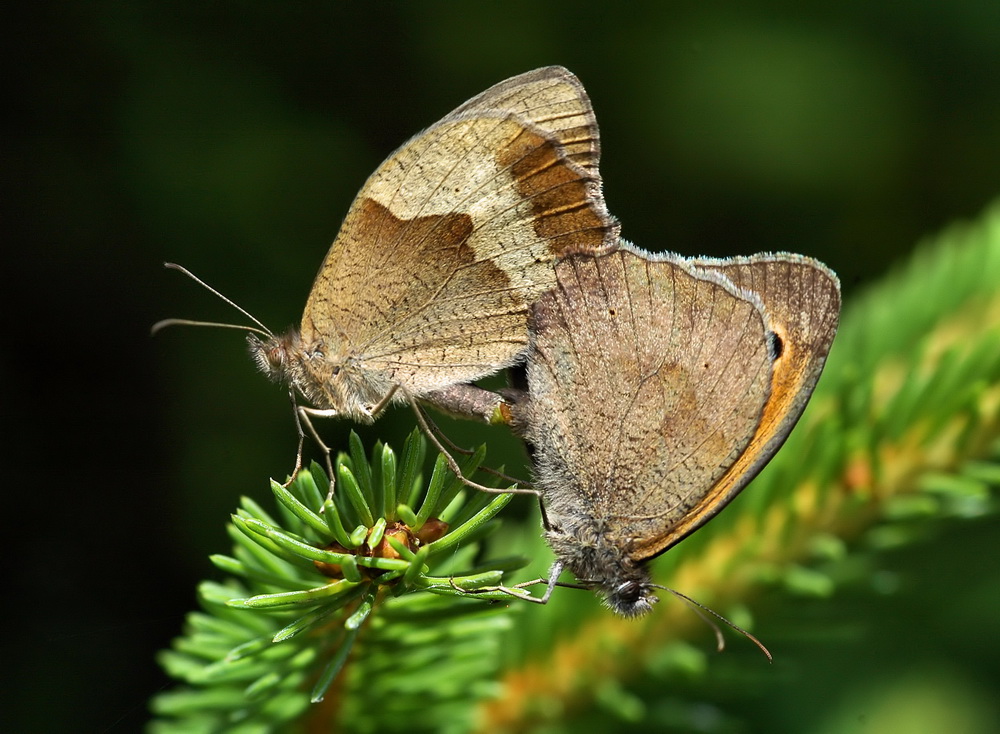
x=263, y=330
x=702, y=611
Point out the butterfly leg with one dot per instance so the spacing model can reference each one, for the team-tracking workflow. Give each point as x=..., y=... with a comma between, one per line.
x=377, y=409
x=469, y=452
x=518, y=590
x=452, y=464
x=302, y=437
x=302, y=418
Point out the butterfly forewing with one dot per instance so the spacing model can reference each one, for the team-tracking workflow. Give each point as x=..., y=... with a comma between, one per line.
x=553, y=99
x=432, y=275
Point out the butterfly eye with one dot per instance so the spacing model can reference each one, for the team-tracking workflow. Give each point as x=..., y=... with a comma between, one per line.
x=275, y=357
x=775, y=345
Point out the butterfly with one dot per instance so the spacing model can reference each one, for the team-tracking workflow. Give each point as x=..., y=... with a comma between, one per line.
x=429, y=284
x=658, y=387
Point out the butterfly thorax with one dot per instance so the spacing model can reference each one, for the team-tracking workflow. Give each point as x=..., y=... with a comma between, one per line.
x=586, y=547
x=328, y=380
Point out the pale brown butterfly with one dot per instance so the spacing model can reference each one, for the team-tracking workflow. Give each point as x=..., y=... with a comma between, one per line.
x=429, y=284
x=658, y=387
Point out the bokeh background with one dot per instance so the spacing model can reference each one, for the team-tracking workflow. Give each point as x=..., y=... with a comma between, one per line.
x=231, y=138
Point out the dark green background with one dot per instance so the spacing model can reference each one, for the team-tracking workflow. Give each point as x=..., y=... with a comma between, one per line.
x=231, y=137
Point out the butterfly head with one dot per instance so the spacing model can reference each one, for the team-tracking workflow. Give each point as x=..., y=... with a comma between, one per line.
x=630, y=598
x=330, y=382
x=277, y=356
x=600, y=564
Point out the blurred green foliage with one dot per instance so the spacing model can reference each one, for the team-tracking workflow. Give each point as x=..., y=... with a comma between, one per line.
x=231, y=137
